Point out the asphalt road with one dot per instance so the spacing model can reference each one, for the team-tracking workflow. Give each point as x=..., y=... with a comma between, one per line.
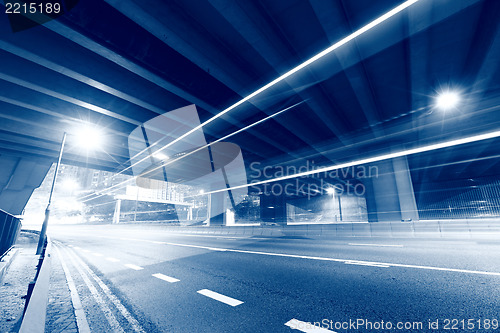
x=147, y=280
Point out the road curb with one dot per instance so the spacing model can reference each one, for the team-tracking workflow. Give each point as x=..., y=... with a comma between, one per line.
x=36, y=309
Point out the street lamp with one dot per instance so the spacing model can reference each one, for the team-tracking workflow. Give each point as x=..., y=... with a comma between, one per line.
x=447, y=100
x=88, y=138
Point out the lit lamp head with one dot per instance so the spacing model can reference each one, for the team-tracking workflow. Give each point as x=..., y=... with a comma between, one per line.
x=89, y=137
x=447, y=100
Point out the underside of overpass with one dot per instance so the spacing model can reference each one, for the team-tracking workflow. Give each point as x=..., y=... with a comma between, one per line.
x=249, y=166
x=119, y=65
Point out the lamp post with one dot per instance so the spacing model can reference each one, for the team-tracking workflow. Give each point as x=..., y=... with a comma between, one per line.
x=88, y=137
x=43, y=232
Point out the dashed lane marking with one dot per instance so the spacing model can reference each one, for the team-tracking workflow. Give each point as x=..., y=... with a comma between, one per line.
x=378, y=245
x=134, y=267
x=165, y=278
x=112, y=259
x=219, y=297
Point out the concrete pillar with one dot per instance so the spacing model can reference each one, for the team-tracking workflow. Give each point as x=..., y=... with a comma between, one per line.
x=229, y=217
x=116, y=215
x=216, y=208
x=273, y=208
x=389, y=192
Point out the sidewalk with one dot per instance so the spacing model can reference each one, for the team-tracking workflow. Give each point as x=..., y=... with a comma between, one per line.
x=15, y=283
x=60, y=313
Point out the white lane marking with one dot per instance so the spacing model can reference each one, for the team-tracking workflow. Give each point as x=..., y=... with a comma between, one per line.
x=196, y=235
x=306, y=327
x=216, y=249
x=165, y=278
x=207, y=236
x=113, y=322
x=86, y=251
x=219, y=297
x=433, y=268
x=81, y=319
x=97, y=254
x=112, y=297
x=380, y=245
x=112, y=259
x=361, y=263
x=134, y=267
x=77, y=247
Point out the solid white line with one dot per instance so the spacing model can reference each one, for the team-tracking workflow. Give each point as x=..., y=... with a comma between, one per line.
x=112, y=259
x=381, y=245
x=207, y=236
x=97, y=254
x=81, y=319
x=113, y=322
x=86, y=251
x=302, y=326
x=361, y=263
x=433, y=268
x=134, y=267
x=112, y=297
x=341, y=260
x=165, y=278
x=219, y=297
x=216, y=249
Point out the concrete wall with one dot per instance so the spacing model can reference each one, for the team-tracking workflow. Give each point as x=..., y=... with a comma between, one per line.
x=19, y=177
x=461, y=229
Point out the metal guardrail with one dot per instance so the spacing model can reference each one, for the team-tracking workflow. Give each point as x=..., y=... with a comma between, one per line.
x=10, y=226
x=35, y=309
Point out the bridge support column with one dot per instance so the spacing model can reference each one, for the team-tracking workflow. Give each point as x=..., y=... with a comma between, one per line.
x=389, y=193
x=216, y=208
x=273, y=208
x=116, y=214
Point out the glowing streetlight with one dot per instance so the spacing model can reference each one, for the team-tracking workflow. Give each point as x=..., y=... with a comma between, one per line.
x=331, y=191
x=447, y=100
x=87, y=137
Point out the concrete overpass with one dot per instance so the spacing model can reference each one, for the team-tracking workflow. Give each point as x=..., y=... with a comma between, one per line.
x=363, y=134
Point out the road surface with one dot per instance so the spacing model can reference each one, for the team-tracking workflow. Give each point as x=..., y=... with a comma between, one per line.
x=148, y=280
